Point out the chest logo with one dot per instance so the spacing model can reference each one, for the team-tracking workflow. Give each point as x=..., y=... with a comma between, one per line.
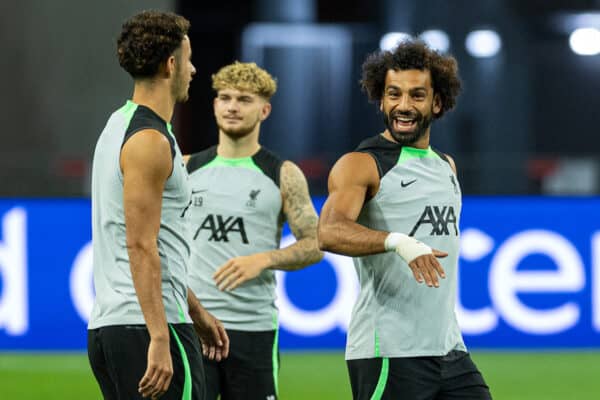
x=252, y=200
x=222, y=228
x=405, y=184
x=439, y=218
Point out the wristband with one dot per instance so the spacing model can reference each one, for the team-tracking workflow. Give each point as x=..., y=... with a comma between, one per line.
x=406, y=246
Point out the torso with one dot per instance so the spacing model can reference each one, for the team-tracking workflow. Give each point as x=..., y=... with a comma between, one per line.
x=418, y=194
x=116, y=300
x=236, y=210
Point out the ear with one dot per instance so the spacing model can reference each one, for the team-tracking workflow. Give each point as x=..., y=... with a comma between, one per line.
x=170, y=66
x=381, y=105
x=437, y=104
x=265, y=111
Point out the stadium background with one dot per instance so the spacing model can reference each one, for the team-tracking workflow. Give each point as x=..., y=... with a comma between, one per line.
x=523, y=135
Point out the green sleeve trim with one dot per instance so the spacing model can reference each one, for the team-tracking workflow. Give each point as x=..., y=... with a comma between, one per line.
x=410, y=153
x=128, y=109
x=187, y=383
x=383, y=377
x=276, y=354
x=170, y=130
x=243, y=162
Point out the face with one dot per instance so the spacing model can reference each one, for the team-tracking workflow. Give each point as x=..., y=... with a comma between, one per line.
x=184, y=71
x=238, y=113
x=408, y=104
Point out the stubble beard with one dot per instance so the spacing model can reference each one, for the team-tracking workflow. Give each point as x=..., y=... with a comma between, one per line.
x=179, y=89
x=239, y=132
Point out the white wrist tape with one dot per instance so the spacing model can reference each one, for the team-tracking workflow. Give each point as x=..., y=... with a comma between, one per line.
x=406, y=246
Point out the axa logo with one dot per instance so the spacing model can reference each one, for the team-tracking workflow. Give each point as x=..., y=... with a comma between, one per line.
x=222, y=228
x=441, y=220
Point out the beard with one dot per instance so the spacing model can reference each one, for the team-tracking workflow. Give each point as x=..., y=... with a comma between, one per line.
x=179, y=89
x=238, y=131
x=422, y=123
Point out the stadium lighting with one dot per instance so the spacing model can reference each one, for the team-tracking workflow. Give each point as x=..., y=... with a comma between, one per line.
x=392, y=39
x=436, y=39
x=483, y=43
x=585, y=41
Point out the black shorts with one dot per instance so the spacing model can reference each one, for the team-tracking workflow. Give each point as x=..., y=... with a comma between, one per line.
x=453, y=376
x=250, y=371
x=119, y=356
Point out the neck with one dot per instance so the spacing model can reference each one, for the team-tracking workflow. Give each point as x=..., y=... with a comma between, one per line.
x=156, y=96
x=422, y=143
x=245, y=146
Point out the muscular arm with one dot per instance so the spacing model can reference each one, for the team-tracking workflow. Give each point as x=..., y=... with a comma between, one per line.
x=302, y=218
x=352, y=180
x=146, y=164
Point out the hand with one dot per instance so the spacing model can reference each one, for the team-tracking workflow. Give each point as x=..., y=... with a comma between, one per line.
x=159, y=371
x=239, y=270
x=427, y=267
x=214, y=339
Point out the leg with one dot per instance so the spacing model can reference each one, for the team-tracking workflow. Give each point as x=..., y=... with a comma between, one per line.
x=251, y=370
x=99, y=367
x=188, y=372
x=414, y=378
x=394, y=378
x=213, y=376
x=125, y=349
x=462, y=379
x=364, y=377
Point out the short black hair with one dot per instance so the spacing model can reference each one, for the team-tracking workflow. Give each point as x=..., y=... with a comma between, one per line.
x=413, y=54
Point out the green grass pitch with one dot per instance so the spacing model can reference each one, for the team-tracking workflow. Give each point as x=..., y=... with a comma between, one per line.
x=511, y=376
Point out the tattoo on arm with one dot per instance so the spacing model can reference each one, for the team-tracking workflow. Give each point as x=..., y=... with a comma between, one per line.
x=302, y=219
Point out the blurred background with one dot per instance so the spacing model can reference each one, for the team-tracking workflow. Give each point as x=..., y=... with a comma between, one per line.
x=524, y=134
x=526, y=122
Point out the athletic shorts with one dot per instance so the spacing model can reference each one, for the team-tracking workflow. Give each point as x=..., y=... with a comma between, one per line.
x=453, y=376
x=250, y=372
x=119, y=356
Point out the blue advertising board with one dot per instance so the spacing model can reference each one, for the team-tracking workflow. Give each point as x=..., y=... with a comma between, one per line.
x=529, y=277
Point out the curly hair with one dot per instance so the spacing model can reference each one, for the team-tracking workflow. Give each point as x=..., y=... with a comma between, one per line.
x=246, y=77
x=413, y=54
x=148, y=39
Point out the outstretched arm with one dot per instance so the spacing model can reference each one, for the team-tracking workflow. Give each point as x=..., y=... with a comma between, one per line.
x=302, y=219
x=353, y=180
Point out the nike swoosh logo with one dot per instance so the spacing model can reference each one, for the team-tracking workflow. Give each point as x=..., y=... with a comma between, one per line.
x=199, y=191
x=405, y=184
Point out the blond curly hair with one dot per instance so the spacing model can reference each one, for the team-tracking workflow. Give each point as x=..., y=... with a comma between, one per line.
x=247, y=77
